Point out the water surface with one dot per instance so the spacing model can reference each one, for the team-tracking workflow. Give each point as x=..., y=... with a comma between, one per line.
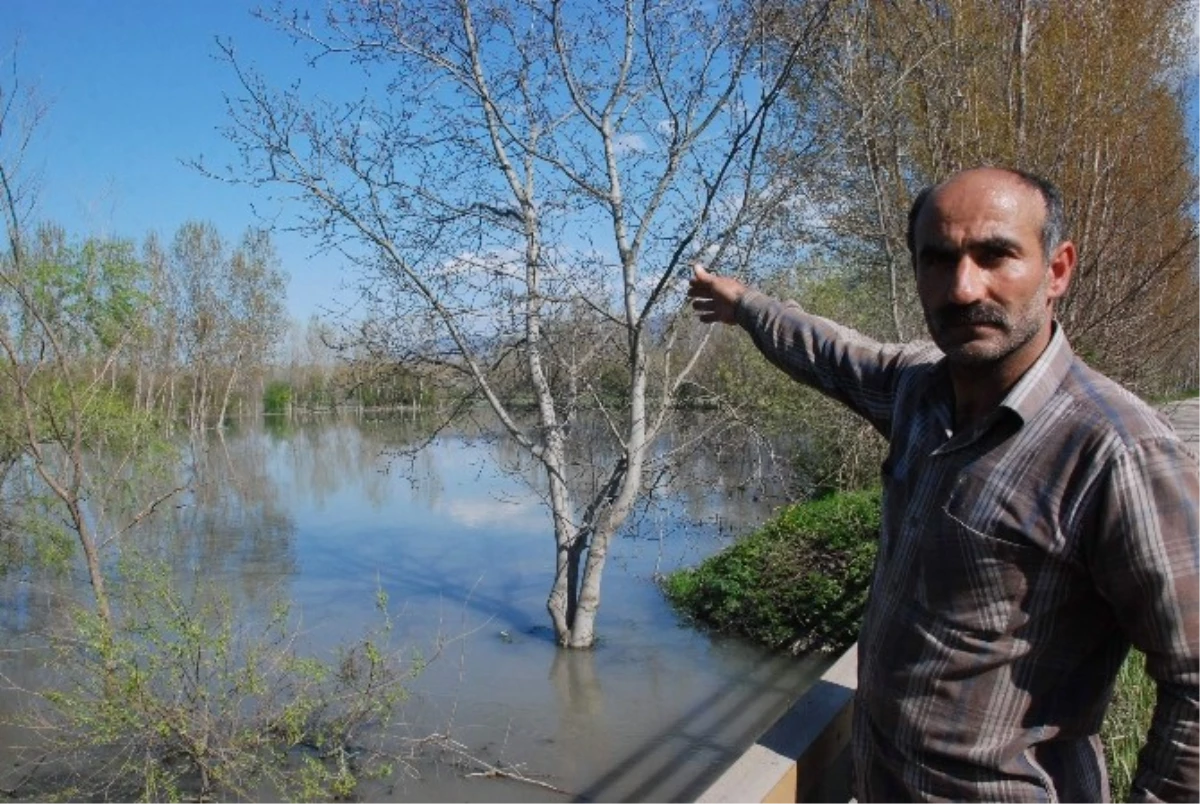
x=329, y=514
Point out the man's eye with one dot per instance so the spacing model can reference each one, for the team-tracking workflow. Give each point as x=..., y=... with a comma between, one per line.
x=938, y=260
x=992, y=256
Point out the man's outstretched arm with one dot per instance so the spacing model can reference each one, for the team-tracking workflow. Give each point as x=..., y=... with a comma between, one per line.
x=841, y=363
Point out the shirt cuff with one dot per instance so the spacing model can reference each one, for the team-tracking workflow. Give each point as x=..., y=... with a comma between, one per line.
x=750, y=306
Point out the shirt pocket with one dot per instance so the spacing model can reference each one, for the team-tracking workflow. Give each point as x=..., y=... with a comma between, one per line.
x=974, y=581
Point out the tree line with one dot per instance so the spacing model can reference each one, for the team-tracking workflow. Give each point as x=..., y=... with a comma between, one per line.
x=1089, y=93
x=182, y=331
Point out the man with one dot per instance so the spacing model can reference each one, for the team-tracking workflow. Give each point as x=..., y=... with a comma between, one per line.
x=1037, y=518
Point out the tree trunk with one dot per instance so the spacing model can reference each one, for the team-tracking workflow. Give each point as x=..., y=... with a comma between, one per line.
x=200, y=419
x=1020, y=60
x=228, y=389
x=142, y=398
x=570, y=542
x=171, y=403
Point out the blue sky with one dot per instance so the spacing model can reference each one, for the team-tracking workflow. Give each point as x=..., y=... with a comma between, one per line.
x=134, y=88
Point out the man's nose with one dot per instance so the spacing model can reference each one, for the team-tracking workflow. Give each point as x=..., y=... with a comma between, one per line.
x=966, y=284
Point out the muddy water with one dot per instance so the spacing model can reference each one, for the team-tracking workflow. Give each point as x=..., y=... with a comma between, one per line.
x=331, y=514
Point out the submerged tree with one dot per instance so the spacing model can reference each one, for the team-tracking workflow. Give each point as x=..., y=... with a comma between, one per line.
x=227, y=308
x=529, y=181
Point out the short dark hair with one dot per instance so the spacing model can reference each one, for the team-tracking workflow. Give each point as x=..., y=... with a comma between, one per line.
x=1054, y=228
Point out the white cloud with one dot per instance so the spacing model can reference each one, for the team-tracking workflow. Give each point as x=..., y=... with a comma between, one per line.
x=629, y=144
x=480, y=513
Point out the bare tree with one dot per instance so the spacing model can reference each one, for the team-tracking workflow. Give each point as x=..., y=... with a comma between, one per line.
x=254, y=313
x=228, y=309
x=199, y=267
x=519, y=171
x=155, y=358
x=1085, y=92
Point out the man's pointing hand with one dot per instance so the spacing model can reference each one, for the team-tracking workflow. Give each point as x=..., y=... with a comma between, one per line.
x=714, y=297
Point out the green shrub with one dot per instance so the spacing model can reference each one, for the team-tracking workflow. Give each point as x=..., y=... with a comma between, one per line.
x=798, y=583
x=277, y=397
x=189, y=699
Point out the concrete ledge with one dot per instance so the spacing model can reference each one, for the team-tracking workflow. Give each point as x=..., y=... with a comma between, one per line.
x=803, y=756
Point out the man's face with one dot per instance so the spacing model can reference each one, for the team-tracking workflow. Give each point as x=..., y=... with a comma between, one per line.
x=981, y=273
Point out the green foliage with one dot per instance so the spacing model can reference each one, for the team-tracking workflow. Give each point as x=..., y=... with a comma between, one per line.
x=106, y=418
x=43, y=540
x=125, y=457
x=799, y=582
x=187, y=700
x=71, y=310
x=32, y=535
x=1127, y=722
x=91, y=295
x=277, y=397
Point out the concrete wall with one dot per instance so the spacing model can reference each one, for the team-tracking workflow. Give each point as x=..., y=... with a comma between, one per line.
x=804, y=756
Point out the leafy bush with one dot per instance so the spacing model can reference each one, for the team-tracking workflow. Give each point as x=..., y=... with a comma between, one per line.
x=277, y=397
x=186, y=700
x=798, y=583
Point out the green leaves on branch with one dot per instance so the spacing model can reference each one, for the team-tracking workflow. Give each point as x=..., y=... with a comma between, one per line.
x=210, y=701
x=38, y=537
x=277, y=398
x=104, y=418
x=90, y=296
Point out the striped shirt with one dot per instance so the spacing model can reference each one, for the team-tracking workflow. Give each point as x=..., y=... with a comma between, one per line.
x=1018, y=561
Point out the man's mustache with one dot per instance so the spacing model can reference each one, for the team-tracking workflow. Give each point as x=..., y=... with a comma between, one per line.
x=958, y=315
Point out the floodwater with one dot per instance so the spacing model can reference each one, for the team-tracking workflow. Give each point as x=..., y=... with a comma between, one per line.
x=332, y=512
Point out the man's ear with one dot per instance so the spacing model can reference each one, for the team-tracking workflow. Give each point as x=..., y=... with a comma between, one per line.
x=1062, y=266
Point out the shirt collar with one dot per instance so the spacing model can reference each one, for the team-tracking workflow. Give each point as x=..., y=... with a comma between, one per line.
x=1031, y=392
x=1042, y=379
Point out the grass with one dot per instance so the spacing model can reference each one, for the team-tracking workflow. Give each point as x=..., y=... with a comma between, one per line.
x=799, y=583
x=1167, y=397
x=1126, y=724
